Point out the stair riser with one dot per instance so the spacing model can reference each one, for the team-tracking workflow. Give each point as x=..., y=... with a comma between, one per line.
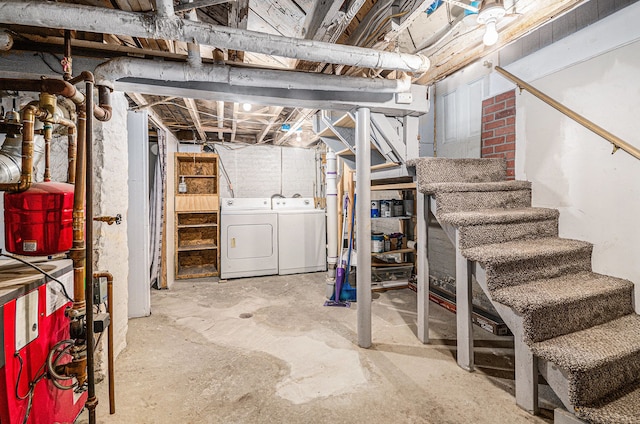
x=477, y=235
x=519, y=272
x=557, y=320
x=587, y=387
x=471, y=200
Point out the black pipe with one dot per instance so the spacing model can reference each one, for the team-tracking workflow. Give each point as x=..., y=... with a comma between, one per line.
x=92, y=401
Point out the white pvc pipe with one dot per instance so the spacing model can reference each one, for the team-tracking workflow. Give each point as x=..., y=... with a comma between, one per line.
x=332, y=209
x=166, y=26
x=125, y=67
x=332, y=221
x=363, y=219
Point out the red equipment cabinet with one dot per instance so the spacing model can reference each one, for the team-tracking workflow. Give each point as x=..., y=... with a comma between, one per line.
x=38, y=222
x=27, y=302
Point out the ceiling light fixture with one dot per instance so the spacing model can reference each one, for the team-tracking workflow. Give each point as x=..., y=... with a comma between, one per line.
x=246, y=107
x=491, y=12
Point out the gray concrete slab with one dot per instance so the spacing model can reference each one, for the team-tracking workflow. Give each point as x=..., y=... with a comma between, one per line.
x=266, y=350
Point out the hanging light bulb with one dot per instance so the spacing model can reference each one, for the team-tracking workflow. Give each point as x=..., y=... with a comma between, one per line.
x=491, y=34
x=246, y=107
x=489, y=14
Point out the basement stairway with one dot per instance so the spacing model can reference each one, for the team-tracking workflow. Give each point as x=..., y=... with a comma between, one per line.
x=578, y=326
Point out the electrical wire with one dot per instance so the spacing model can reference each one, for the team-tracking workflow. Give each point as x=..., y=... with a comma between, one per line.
x=48, y=65
x=40, y=374
x=40, y=270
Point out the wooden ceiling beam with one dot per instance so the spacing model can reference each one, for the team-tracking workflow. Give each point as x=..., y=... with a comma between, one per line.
x=276, y=114
x=192, y=108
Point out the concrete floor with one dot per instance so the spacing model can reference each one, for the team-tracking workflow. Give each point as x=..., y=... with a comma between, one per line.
x=265, y=350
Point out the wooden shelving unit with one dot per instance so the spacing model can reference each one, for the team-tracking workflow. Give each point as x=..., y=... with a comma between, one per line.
x=407, y=222
x=197, y=216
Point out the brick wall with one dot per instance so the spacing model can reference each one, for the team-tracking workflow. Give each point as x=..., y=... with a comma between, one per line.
x=499, y=129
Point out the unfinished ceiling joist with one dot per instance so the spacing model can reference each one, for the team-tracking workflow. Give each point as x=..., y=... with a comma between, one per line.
x=170, y=27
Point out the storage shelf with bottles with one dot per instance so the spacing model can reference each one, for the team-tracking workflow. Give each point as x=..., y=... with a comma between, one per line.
x=393, y=266
x=197, y=215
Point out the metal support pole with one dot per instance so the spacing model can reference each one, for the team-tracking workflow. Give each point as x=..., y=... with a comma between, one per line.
x=464, y=307
x=363, y=220
x=422, y=214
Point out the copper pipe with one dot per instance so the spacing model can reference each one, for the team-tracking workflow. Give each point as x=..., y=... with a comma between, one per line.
x=51, y=86
x=77, y=252
x=29, y=114
x=112, y=378
x=48, y=135
x=67, y=61
x=71, y=154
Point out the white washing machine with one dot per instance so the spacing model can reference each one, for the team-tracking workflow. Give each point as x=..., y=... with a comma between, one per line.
x=249, y=238
x=302, y=236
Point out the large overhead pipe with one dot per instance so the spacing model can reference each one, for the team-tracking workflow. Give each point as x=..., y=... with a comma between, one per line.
x=124, y=67
x=165, y=25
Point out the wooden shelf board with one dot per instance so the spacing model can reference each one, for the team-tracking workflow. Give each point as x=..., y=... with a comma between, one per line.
x=198, y=247
x=198, y=176
x=197, y=225
x=399, y=186
x=383, y=264
x=392, y=252
x=197, y=271
x=393, y=217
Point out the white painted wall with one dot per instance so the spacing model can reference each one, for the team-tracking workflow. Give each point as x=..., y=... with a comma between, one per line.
x=573, y=170
x=111, y=252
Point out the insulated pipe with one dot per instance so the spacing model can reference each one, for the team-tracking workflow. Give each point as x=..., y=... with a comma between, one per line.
x=193, y=49
x=166, y=26
x=363, y=219
x=164, y=8
x=124, y=67
x=28, y=120
x=112, y=378
x=6, y=41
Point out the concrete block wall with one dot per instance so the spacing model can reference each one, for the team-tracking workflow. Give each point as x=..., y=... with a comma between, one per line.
x=499, y=129
x=262, y=171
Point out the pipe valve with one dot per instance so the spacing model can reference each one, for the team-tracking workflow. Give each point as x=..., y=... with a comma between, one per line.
x=109, y=219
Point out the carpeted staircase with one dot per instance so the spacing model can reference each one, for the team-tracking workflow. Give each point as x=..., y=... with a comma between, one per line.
x=580, y=321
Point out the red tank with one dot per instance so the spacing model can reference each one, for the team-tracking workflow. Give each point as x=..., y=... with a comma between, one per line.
x=38, y=222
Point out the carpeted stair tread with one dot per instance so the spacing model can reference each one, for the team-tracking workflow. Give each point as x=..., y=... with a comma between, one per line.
x=522, y=250
x=498, y=216
x=438, y=170
x=453, y=187
x=594, y=347
x=560, y=290
x=621, y=407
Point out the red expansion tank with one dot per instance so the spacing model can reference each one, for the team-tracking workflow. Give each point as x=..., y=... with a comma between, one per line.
x=38, y=221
